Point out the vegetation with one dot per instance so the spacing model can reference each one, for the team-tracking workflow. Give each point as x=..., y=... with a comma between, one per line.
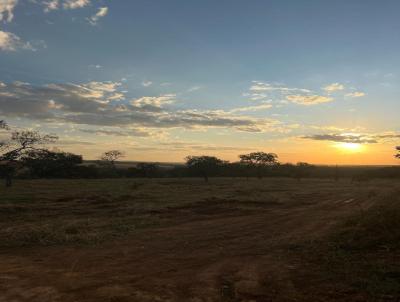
x=360, y=254
x=17, y=149
x=24, y=155
x=110, y=157
x=48, y=164
x=203, y=166
x=259, y=160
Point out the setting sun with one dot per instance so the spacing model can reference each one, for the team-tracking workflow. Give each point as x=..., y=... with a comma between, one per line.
x=350, y=147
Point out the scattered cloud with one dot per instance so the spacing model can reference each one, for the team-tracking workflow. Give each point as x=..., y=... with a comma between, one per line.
x=147, y=83
x=333, y=87
x=51, y=5
x=94, y=103
x=7, y=10
x=355, y=138
x=258, y=86
x=276, y=92
x=153, y=103
x=356, y=94
x=343, y=138
x=308, y=100
x=262, y=106
x=45, y=102
x=102, y=12
x=74, y=4
x=96, y=66
x=119, y=132
x=11, y=42
x=194, y=88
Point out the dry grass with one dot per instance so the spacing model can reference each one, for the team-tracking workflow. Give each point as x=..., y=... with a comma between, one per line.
x=363, y=252
x=230, y=239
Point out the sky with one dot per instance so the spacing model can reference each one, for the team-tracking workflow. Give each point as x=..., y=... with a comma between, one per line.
x=313, y=80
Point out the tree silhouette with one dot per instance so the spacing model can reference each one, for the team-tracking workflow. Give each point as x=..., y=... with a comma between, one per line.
x=398, y=152
x=17, y=146
x=110, y=157
x=259, y=160
x=45, y=163
x=204, y=165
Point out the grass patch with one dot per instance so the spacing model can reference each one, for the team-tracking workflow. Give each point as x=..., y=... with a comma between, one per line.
x=78, y=232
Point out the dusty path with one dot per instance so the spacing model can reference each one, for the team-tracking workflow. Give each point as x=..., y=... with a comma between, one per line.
x=209, y=253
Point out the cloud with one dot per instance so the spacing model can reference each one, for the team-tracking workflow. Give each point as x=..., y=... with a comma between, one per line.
x=257, y=96
x=7, y=10
x=355, y=138
x=333, y=87
x=117, y=132
x=51, y=5
x=102, y=12
x=258, y=86
x=44, y=102
x=259, y=91
x=194, y=88
x=263, y=106
x=343, y=138
x=308, y=100
x=356, y=94
x=153, y=103
x=147, y=83
x=93, y=104
x=11, y=42
x=195, y=146
x=96, y=66
x=74, y=4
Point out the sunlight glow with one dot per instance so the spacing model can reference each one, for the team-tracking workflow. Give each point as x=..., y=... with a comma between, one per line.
x=350, y=147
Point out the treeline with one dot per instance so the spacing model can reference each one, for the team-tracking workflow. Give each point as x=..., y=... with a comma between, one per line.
x=66, y=165
x=25, y=155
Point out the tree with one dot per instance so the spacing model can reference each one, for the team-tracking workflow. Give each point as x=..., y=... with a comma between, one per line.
x=110, y=157
x=204, y=165
x=44, y=163
x=18, y=145
x=259, y=160
x=398, y=152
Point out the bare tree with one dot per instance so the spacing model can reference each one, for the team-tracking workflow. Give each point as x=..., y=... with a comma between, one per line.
x=259, y=160
x=110, y=157
x=18, y=145
x=204, y=165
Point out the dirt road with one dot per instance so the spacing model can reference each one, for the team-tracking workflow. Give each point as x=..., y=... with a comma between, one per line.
x=210, y=251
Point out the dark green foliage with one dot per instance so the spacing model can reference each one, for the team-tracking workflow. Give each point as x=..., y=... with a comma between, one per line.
x=44, y=163
x=259, y=160
x=204, y=166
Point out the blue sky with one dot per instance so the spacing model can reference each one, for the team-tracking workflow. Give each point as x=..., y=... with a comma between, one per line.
x=215, y=77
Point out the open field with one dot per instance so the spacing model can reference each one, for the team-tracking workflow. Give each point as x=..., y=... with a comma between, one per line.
x=186, y=240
